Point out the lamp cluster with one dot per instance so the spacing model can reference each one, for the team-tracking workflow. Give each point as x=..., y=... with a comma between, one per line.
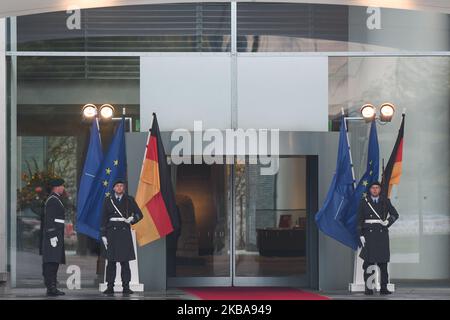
x=89, y=111
x=369, y=112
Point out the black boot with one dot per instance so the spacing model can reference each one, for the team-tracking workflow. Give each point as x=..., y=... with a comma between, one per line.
x=52, y=291
x=384, y=291
x=59, y=292
x=126, y=289
x=110, y=289
x=368, y=292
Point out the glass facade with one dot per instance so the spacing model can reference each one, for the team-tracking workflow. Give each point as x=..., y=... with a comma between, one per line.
x=54, y=76
x=420, y=240
x=51, y=139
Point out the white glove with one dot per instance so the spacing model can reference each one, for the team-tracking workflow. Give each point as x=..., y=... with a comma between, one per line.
x=105, y=242
x=385, y=223
x=54, y=241
x=129, y=219
x=363, y=240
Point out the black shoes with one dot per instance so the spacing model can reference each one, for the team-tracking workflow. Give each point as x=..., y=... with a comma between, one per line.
x=368, y=292
x=53, y=292
x=385, y=291
x=127, y=291
x=109, y=291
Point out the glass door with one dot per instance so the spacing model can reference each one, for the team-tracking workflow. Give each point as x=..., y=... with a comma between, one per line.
x=199, y=254
x=241, y=228
x=270, y=225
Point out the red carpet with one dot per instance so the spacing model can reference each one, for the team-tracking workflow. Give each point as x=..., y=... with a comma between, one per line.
x=253, y=293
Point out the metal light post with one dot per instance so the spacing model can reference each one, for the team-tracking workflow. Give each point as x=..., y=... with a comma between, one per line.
x=368, y=114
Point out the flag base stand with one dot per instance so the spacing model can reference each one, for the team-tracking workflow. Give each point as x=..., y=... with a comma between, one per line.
x=358, y=278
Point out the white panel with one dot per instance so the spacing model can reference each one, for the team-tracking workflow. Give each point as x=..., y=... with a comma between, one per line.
x=185, y=88
x=286, y=93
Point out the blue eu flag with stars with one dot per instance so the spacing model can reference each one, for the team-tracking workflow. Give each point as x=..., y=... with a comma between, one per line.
x=113, y=166
x=350, y=216
x=331, y=217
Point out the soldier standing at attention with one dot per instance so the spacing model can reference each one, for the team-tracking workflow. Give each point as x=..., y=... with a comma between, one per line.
x=375, y=215
x=119, y=212
x=53, y=253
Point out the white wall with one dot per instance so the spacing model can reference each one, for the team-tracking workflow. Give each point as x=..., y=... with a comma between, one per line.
x=276, y=92
x=286, y=93
x=183, y=88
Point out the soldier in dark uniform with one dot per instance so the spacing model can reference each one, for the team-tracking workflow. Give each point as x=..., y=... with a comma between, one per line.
x=119, y=212
x=375, y=215
x=53, y=253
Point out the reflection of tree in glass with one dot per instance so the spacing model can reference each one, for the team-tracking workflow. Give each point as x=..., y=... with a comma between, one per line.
x=60, y=162
x=241, y=200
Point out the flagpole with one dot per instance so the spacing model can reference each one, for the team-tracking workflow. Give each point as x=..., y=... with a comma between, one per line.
x=358, y=280
x=146, y=145
x=98, y=129
x=349, y=149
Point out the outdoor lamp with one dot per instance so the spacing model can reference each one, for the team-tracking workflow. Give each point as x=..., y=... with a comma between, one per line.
x=387, y=112
x=106, y=111
x=368, y=112
x=89, y=111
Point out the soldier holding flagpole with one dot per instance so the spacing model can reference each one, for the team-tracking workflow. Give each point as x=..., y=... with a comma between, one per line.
x=119, y=212
x=376, y=214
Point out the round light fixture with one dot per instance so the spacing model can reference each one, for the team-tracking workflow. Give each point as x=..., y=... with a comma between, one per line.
x=387, y=111
x=368, y=112
x=89, y=111
x=106, y=111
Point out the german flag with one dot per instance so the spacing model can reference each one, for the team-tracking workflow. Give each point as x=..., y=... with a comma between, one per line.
x=393, y=170
x=154, y=195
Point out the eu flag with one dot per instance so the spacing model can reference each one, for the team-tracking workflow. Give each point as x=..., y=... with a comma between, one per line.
x=113, y=166
x=349, y=216
x=329, y=219
x=94, y=157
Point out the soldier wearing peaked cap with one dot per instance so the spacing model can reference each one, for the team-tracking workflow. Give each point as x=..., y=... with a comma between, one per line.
x=52, y=245
x=375, y=215
x=119, y=211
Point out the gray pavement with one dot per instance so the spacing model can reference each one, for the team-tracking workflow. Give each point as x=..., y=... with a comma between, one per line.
x=403, y=292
